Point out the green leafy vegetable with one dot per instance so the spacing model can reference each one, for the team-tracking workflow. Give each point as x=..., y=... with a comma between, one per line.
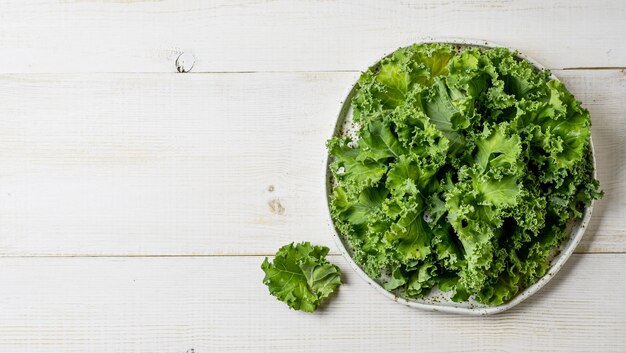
x=301, y=276
x=467, y=166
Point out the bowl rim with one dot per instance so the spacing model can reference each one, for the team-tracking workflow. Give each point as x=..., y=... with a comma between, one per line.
x=568, y=246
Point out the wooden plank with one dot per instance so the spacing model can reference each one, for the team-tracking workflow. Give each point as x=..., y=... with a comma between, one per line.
x=136, y=164
x=243, y=35
x=218, y=304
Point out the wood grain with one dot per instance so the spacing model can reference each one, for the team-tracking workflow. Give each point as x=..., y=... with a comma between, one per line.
x=107, y=152
x=218, y=304
x=192, y=164
x=243, y=35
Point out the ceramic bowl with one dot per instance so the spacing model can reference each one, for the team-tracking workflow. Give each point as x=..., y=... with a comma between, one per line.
x=437, y=300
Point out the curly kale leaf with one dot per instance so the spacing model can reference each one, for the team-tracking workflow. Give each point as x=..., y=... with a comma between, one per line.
x=301, y=276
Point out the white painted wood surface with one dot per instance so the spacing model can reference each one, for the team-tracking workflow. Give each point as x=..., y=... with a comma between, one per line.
x=171, y=164
x=286, y=35
x=218, y=304
x=135, y=201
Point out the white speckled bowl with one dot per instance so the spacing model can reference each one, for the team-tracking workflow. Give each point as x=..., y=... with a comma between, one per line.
x=437, y=300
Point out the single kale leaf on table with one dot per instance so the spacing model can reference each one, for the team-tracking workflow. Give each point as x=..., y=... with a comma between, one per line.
x=301, y=276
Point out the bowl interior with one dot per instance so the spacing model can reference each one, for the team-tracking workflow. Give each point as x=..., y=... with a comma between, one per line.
x=438, y=300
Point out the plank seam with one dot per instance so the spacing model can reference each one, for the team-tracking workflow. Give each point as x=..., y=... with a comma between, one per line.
x=8, y=73
x=224, y=255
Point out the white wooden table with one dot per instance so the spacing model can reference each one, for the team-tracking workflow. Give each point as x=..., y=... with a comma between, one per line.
x=137, y=203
